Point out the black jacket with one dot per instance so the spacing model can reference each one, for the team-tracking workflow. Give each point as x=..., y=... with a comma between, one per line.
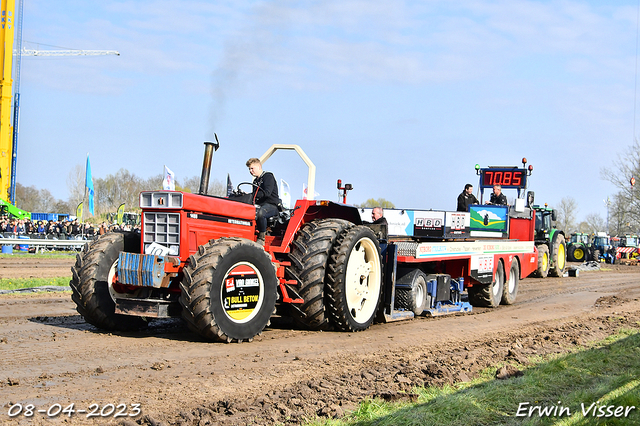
x=498, y=200
x=465, y=200
x=266, y=189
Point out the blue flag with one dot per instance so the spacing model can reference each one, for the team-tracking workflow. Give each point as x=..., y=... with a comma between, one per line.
x=89, y=185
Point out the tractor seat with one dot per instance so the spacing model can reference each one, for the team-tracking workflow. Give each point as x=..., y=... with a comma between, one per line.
x=281, y=218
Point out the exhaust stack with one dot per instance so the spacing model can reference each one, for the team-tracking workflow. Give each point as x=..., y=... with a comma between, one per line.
x=209, y=148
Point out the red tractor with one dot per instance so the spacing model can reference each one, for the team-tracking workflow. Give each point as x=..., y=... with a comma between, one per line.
x=197, y=257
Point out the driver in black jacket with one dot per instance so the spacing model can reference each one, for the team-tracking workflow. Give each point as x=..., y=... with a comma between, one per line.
x=265, y=196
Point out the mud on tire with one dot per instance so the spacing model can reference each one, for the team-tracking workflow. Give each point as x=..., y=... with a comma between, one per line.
x=89, y=282
x=543, y=262
x=510, y=291
x=229, y=290
x=354, y=280
x=559, y=257
x=488, y=295
x=415, y=298
x=309, y=255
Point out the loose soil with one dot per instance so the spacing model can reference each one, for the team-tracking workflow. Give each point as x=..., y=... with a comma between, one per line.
x=50, y=355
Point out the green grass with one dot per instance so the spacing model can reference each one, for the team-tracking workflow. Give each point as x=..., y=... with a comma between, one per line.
x=16, y=283
x=40, y=255
x=607, y=373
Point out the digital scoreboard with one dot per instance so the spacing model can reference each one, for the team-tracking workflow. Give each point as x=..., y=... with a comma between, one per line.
x=505, y=177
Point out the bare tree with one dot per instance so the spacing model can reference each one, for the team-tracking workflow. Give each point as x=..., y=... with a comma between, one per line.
x=76, y=182
x=27, y=197
x=380, y=202
x=31, y=199
x=627, y=200
x=567, y=210
x=620, y=221
x=592, y=223
x=216, y=187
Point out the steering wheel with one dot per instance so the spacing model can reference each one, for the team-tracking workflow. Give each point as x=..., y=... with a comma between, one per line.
x=238, y=190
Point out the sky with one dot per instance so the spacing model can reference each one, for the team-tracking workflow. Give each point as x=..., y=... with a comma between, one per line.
x=399, y=98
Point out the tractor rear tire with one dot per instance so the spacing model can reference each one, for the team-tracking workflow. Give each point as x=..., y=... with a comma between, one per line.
x=510, y=291
x=570, y=250
x=309, y=254
x=413, y=299
x=229, y=290
x=543, y=261
x=595, y=256
x=488, y=295
x=91, y=290
x=354, y=280
x=559, y=257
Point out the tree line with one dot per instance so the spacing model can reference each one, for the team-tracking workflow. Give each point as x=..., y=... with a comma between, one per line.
x=125, y=187
x=623, y=207
x=110, y=192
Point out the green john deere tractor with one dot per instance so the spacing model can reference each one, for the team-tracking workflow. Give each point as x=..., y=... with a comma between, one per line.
x=578, y=247
x=550, y=242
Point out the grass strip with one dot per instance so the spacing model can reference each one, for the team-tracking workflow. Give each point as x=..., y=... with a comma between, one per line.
x=585, y=387
x=40, y=255
x=17, y=283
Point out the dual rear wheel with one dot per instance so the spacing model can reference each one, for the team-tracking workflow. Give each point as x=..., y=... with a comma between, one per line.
x=339, y=269
x=501, y=290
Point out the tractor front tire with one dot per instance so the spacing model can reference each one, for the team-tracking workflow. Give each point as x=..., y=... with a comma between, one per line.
x=596, y=255
x=309, y=255
x=488, y=295
x=543, y=261
x=229, y=290
x=559, y=257
x=354, y=280
x=90, y=283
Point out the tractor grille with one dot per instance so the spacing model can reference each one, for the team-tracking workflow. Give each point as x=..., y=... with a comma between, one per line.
x=162, y=229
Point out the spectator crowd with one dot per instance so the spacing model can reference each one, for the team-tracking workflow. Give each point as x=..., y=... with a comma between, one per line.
x=60, y=229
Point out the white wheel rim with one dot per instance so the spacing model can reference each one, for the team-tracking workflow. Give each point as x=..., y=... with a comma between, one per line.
x=419, y=294
x=512, y=281
x=496, y=284
x=363, y=280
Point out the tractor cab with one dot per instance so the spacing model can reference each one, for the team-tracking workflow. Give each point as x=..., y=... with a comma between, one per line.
x=545, y=223
x=629, y=241
x=616, y=242
x=602, y=241
x=602, y=248
x=579, y=237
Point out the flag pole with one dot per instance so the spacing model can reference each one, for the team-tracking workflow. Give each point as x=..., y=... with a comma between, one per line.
x=84, y=193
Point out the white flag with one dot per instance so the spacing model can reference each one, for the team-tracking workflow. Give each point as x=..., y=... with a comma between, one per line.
x=285, y=194
x=169, y=182
x=304, y=193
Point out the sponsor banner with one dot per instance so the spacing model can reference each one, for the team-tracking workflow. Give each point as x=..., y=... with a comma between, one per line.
x=399, y=222
x=428, y=224
x=470, y=248
x=457, y=225
x=489, y=218
x=242, y=292
x=482, y=263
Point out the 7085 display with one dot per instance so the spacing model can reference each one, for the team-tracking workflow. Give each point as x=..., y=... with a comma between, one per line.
x=507, y=177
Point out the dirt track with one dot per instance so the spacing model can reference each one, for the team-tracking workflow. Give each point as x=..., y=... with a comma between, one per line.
x=51, y=356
